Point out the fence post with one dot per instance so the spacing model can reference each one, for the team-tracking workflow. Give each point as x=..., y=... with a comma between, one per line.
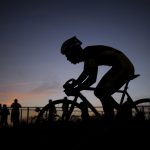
x=27, y=115
x=21, y=115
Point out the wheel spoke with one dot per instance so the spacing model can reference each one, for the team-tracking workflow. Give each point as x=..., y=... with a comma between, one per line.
x=62, y=108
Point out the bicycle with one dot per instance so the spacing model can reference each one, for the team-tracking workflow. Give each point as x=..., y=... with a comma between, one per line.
x=73, y=110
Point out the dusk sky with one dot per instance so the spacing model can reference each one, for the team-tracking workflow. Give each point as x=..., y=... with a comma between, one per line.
x=32, y=31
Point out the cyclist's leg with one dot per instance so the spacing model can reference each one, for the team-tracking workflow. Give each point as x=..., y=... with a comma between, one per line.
x=111, y=82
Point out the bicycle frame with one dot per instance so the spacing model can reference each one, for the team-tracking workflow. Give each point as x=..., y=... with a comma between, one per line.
x=83, y=98
x=133, y=105
x=125, y=93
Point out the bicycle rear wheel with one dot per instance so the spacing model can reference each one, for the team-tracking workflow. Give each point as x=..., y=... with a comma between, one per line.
x=62, y=108
x=141, y=109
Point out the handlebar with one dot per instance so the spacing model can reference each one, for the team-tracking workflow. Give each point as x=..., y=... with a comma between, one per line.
x=69, y=83
x=70, y=90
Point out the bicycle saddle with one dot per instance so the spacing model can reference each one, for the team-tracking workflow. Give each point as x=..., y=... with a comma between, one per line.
x=134, y=76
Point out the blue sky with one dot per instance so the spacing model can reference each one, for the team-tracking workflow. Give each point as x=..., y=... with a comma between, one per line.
x=32, y=31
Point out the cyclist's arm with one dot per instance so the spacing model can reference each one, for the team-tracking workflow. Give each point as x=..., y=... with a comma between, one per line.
x=82, y=77
x=88, y=76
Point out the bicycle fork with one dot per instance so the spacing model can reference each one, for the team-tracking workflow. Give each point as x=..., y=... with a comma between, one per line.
x=71, y=108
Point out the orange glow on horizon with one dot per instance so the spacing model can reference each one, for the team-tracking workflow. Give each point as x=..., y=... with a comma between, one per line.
x=28, y=98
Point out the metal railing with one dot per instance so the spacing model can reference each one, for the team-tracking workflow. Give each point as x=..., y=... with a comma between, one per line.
x=29, y=114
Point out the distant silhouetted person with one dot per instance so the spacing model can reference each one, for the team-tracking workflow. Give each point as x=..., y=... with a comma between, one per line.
x=0, y=112
x=4, y=116
x=51, y=111
x=65, y=108
x=15, y=113
x=121, y=69
x=85, y=113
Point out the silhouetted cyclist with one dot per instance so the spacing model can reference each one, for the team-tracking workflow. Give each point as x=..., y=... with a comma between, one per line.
x=94, y=56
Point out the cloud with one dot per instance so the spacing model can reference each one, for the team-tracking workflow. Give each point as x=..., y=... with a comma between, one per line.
x=45, y=87
x=29, y=93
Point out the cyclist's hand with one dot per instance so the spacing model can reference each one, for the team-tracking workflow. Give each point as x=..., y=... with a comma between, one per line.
x=71, y=91
x=69, y=84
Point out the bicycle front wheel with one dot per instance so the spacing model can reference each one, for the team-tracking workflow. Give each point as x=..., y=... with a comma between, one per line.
x=62, y=112
x=141, y=108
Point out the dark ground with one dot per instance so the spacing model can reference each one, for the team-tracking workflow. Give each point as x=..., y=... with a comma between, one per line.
x=75, y=136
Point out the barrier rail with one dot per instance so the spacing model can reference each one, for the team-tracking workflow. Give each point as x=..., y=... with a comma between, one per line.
x=28, y=114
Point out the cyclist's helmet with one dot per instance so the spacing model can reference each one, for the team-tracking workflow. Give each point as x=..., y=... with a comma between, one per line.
x=69, y=44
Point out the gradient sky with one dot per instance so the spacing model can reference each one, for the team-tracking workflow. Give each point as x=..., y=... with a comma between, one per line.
x=32, y=31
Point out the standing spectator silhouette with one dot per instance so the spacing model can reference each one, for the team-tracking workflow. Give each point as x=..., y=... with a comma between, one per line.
x=0, y=112
x=4, y=116
x=85, y=114
x=65, y=108
x=15, y=113
x=52, y=111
